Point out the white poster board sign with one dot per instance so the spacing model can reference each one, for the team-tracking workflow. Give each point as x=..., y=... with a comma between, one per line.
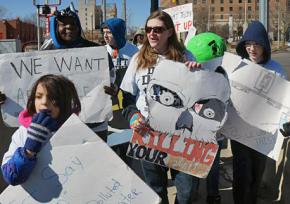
x=80, y=173
x=182, y=17
x=87, y=67
x=260, y=105
x=185, y=110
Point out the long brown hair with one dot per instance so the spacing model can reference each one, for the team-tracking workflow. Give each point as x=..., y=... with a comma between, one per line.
x=61, y=91
x=147, y=57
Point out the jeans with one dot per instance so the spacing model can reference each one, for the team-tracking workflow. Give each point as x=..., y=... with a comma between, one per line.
x=248, y=168
x=156, y=177
x=212, y=180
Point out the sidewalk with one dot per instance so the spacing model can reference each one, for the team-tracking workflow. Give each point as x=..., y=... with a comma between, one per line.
x=226, y=175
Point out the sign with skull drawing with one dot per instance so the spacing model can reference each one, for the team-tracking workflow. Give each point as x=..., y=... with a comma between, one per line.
x=186, y=109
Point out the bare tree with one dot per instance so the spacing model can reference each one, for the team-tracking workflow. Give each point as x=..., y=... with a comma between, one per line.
x=3, y=11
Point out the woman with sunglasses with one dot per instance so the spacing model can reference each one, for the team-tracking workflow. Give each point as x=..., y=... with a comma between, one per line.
x=160, y=43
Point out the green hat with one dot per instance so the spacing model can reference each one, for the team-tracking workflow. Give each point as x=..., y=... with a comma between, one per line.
x=206, y=46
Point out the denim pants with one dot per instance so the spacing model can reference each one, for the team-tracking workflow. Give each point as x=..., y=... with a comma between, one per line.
x=156, y=177
x=212, y=180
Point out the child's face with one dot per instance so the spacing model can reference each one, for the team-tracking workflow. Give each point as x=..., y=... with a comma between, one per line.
x=109, y=38
x=68, y=29
x=43, y=102
x=255, y=51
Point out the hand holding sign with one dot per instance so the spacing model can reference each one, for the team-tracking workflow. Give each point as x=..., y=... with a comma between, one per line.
x=2, y=98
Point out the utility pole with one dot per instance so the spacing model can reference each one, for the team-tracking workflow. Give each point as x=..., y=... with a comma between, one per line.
x=154, y=5
x=263, y=13
x=245, y=23
x=278, y=27
x=124, y=11
x=104, y=10
x=208, y=16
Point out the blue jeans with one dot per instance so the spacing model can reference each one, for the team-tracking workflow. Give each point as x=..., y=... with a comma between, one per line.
x=212, y=180
x=156, y=177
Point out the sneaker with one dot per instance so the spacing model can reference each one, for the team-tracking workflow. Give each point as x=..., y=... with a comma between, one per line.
x=213, y=199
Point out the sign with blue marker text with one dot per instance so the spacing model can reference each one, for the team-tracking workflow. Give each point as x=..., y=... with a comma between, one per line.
x=70, y=170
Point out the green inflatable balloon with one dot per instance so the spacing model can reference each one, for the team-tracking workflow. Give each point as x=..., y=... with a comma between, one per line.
x=206, y=46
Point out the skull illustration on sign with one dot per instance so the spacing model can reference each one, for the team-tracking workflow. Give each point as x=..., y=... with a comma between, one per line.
x=188, y=103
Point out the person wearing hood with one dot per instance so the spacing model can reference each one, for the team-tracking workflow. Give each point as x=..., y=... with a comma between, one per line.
x=65, y=33
x=139, y=38
x=121, y=51
x=248, y=164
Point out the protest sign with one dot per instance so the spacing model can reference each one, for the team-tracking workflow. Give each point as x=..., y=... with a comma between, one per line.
x=182, y=17
x=86, y=67
x=78, y=172
x=185, y=110
x=260, y=104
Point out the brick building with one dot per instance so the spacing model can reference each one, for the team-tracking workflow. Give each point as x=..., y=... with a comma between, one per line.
x=17, y=29
x=231, y=16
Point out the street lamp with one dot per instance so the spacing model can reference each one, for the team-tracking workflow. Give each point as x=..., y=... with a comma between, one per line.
x=45, y=6
x=92, y=26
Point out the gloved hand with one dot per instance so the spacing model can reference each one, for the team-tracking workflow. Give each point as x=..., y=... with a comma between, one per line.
x=137, y=121
x=2, y=98
x=286, y=129
x=40, y=131
x=111, y=90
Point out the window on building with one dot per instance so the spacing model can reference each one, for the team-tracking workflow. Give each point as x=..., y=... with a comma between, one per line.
x=222, y=16
x=212, y=9
x=249, y=1
x=240, y=1
x=231, y=1
x=203, y=1
x=231, y=8
x=212, y=1
x=194, y=1
x=240, y=8
x=222, y=1
x=222, y=9
x=249, y=8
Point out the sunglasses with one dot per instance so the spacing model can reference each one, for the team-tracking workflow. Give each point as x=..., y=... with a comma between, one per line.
x=156, y=29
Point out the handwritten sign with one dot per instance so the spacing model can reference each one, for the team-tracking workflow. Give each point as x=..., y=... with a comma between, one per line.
x=86, y=67
x=260, y=104
x=80, y=173
x=182, y=17
x=178, y=152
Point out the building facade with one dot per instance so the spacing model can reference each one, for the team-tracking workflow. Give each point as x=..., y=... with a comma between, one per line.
x=232, y=16
x=17, y=29
x=91, y=17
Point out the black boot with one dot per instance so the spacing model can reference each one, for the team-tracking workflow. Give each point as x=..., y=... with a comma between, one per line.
x=213, y=199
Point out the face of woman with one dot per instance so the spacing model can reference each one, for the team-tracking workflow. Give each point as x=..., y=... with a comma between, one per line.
x=42, y=102
x=158, y=35
x=68, y=29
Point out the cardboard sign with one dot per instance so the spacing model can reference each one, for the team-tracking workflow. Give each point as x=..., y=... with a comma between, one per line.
x=260, y=104
x=182, y=17
x=78, y=172
x=174, y=151
x=86, y=67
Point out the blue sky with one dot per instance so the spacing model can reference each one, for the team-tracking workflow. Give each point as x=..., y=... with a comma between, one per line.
x=137, y=10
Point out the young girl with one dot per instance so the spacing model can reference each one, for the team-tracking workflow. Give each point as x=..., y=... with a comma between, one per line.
x=160, y=42
x=53, y=99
